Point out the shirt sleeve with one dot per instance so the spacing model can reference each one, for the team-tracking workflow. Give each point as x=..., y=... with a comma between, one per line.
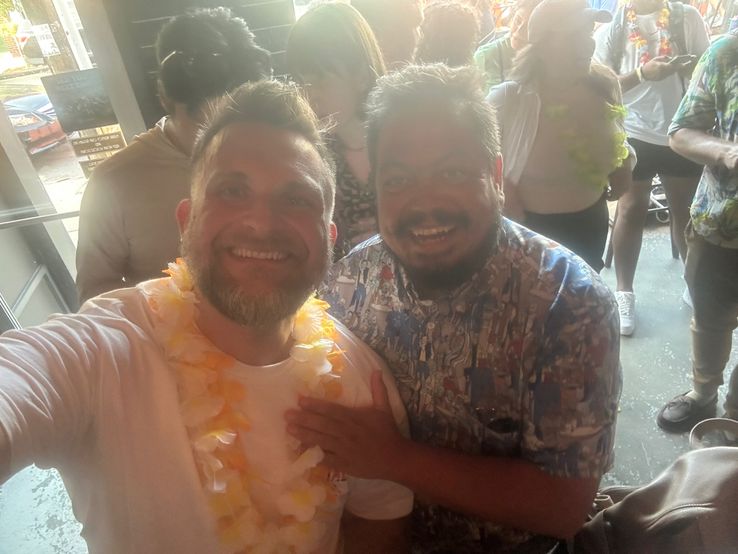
x=603, y=43
x=45, y=390
x=698, y=108
x=102, y=250
x=572, y=405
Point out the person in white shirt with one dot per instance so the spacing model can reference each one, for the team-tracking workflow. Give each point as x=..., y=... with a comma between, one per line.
x=127, y=232
x=653, y=46
x=163, y=406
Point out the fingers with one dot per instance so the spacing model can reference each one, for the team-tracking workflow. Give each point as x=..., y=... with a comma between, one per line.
x=380, y=397
x=310, y=437
x=328, y=409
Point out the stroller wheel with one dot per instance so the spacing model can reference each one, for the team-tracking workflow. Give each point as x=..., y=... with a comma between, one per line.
x=663, y=216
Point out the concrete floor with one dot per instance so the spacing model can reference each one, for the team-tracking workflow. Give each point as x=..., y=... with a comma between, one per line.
x=35, y=516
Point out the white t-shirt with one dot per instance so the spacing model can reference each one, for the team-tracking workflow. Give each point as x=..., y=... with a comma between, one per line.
x=652, y=104
x=92, y=395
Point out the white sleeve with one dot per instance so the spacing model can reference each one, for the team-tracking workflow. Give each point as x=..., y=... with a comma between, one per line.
x=697, y=35
x=603, y=44
x=372, y=498
x=45, y=390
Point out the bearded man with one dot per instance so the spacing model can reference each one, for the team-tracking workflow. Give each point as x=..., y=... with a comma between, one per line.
x=163, y=405
x=509, y=369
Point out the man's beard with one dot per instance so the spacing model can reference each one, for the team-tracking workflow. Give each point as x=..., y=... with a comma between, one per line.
x=447, y=277
x=261, y=310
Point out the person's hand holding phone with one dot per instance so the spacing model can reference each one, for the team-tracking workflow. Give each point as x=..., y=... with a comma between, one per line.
x=684, y=64
x=659, y=68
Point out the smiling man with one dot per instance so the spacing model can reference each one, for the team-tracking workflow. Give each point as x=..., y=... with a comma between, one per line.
x=163, y=405
x=503, y=343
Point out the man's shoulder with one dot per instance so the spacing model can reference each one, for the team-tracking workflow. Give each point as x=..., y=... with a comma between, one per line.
x=548, y=267
x=494, y=46
x=148, y=149
x=118, y=309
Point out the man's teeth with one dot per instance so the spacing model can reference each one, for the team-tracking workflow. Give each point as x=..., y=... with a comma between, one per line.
x=431, y=232
x=259, y=255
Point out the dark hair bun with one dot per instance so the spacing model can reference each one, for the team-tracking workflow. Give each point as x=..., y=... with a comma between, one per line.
x=207, y=53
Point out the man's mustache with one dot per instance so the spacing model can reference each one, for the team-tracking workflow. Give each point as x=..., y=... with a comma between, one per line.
x=438, y=217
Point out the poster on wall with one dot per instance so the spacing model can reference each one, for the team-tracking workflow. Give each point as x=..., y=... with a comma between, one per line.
x=79, y=99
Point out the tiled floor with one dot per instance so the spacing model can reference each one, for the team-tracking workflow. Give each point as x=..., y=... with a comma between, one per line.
x=35, y=517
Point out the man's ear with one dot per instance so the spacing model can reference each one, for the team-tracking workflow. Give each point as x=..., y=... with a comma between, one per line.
x=498, y=171
x=333, y=233
x=183, y=214
x=497, y=178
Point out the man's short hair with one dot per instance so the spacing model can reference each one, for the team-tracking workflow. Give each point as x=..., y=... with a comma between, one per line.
x=273, y=103
x=432, y=88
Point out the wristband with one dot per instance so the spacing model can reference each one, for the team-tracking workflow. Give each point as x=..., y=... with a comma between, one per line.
x=639, y=74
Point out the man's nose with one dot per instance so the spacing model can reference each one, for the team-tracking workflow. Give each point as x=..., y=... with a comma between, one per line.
x=261, y=217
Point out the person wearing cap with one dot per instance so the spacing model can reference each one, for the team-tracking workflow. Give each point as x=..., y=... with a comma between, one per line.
x=126, y=230
x=653, y=46
x=563, y=144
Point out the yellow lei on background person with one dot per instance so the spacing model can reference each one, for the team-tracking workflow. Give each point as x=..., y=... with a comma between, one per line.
x=208, y=400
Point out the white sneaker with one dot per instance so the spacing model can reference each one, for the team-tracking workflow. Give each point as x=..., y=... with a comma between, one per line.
x=687, y=298
x=626, y=307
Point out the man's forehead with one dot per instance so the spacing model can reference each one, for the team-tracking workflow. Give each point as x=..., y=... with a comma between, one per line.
x=250, y=137
x=240, y=144
x=426, y=133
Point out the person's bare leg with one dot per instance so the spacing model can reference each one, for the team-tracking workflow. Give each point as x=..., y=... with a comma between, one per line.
x=679, y=194
x=628, y=232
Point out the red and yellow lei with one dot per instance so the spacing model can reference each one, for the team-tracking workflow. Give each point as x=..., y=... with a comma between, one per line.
x=641, y=44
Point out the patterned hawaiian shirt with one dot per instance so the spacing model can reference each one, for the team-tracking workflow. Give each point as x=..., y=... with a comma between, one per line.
x=521, y=361
x=711, y=104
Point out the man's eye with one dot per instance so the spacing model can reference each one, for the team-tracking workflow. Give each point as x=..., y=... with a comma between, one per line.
x=298, y=201
x=453, y=176
x=232, y=192
x=395, y=183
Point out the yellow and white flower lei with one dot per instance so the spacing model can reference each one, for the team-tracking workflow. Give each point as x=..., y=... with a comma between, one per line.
x=207, y=404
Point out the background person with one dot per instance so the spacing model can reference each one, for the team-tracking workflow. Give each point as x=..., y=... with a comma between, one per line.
x=652, y=45
x=561, y=123
x=126, y=230
x=495, y=59
x=449, y=34
x=332, y=53
x=396, y=24
x=705, y=131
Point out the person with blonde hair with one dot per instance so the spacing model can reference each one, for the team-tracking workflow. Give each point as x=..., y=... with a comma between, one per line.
x=333, y=54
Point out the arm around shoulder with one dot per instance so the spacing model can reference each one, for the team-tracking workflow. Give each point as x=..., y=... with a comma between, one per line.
x=367, y=536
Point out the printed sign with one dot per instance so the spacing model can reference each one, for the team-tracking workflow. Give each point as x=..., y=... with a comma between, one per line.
x=45, y=40
x=79, y=99
x=90, y=146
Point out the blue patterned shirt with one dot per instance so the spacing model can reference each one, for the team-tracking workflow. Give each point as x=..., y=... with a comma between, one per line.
x=521, y=361
x=711, y=105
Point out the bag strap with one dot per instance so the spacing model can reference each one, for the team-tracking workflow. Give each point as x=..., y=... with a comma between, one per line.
x=617, y=40
x=676, y=26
